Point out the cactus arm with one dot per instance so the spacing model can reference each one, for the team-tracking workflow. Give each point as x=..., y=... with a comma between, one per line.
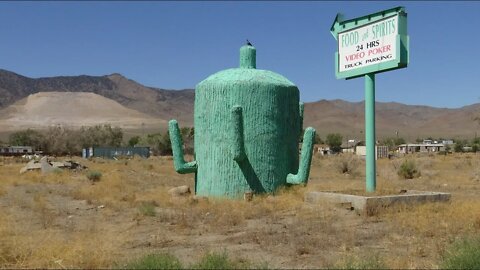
x=178, y=161
x=305, y=159
x=238, y=148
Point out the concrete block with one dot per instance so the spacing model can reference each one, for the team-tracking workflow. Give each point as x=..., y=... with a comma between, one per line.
x=370, y=205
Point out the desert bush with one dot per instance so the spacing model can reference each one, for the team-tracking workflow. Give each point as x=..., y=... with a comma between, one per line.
x=94, y=176
x=42, y=206
x=216, y=261
x=463, y=254
x=208, y=261
x=368, y=262
x=156, y=261
x=347, y=164
x=147, y=209
x=408, y=169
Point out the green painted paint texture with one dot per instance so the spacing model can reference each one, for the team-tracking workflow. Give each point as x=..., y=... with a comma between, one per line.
x=370, y=164
x=247, y=125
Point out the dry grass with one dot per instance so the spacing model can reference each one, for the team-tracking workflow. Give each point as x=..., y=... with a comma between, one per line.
x=63, y=220
x=52, y=249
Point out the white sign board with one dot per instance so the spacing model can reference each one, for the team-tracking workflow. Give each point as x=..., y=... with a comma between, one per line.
x=367, y=45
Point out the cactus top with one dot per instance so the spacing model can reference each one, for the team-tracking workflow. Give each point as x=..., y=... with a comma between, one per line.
x=248, y=57
x=247, y=72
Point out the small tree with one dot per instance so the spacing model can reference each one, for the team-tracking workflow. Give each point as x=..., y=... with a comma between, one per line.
x=134, y=141
x=159, y=143
x=399, y=141
x=318, y=139
x=475, y=148
x=334, y=140
x=459, y=144
x=27, y=137
x=476, y=144
x=392, y=143
x=166, y=144
x=101, y=135
x=60, y=140
x=447, y=149
x=476, y=140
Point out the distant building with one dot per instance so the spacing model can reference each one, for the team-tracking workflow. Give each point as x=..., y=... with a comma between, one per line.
x=16, y=150
x=446, y=142
x=443, y=141
x=114, y=152
x=322, y=149
x=381, y=151
x=349, y=147
x=420, y=148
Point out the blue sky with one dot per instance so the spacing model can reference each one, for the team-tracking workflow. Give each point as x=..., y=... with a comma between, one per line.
x=175, y=45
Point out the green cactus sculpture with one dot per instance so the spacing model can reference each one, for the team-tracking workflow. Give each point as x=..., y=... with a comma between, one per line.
x=247, y=125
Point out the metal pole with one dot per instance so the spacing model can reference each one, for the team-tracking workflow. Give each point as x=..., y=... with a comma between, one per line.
x=370, y=132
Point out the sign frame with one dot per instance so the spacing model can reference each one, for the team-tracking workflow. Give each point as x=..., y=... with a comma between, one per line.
x=402, y=58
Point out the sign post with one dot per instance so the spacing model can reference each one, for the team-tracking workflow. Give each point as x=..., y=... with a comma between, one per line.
x=370, y=172
x=368, y=45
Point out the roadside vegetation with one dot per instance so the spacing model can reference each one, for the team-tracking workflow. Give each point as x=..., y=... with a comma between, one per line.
x=464, y=253
x=60, y=140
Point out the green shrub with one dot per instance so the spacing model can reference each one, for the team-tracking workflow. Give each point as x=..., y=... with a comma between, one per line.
x=214, y=261
x=208, y=261
x=222, y=261
x=408, y=169
x=463, y=254
x=147, y=209
x=156, y=261
x=369, y=262
x=94, y=176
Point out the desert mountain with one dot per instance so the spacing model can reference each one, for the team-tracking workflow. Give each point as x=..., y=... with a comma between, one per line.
x=410, y=121
x=73, y=109
x=17, y=98
x=166, y=104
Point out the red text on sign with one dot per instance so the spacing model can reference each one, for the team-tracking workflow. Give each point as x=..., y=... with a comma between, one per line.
x=383, y=49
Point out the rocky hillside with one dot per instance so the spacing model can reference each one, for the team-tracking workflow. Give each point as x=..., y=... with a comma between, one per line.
x=72, y=109
x=409, y=121
x=165, y=104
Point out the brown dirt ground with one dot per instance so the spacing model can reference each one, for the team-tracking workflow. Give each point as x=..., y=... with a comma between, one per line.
x=62, y=220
